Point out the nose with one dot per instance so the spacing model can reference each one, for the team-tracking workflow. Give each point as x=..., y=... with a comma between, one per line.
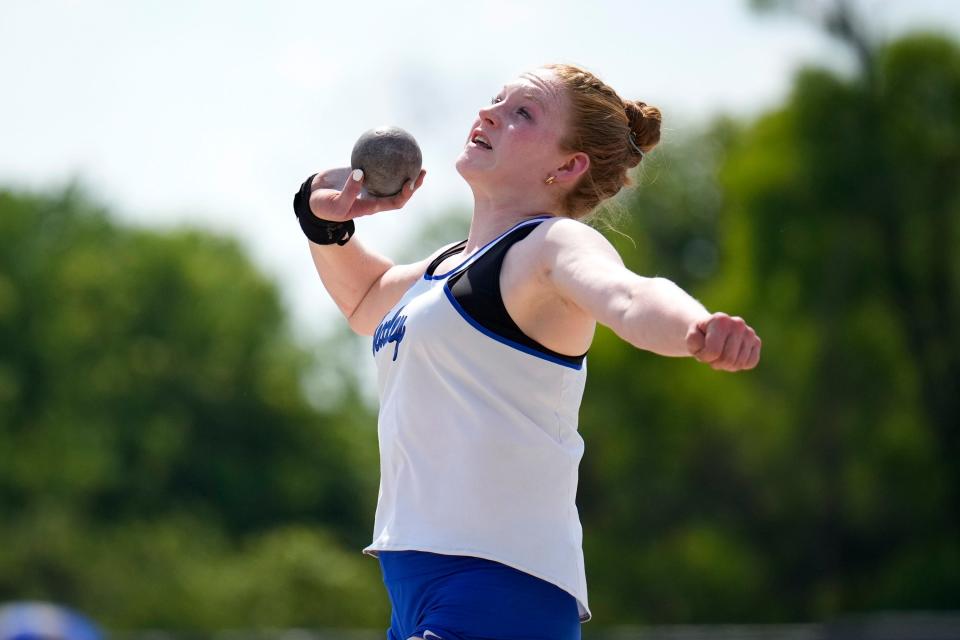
x=486, y=114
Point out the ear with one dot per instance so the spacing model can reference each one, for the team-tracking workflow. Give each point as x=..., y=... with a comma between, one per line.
x=573, y=168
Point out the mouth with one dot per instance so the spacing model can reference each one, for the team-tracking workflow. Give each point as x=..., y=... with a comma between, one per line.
x=480, y=140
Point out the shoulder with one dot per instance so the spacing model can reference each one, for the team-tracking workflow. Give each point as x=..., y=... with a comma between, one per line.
x=562, y=240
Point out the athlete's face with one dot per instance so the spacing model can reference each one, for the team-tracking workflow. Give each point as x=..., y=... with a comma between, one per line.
x=523, y=125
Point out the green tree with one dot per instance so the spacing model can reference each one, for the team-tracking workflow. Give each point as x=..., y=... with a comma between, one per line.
x=852, y=232
x=824, y=481
x=151, y=391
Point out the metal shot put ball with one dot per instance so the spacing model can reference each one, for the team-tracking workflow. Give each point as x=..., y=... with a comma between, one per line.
x=388, y=156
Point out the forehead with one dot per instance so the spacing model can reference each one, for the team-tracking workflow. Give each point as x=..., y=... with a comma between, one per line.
x=541, y=86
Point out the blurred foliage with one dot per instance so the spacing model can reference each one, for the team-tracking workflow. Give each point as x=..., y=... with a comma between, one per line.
x=155, y=435
x=171, y=458
x=825, y=481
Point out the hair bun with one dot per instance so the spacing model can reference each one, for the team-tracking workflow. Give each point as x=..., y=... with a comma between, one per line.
x=644, y=124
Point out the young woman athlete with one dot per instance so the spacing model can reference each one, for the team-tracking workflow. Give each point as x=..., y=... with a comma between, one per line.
x=480, y=350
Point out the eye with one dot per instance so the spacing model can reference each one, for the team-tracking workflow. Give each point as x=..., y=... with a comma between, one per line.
x=523, y=111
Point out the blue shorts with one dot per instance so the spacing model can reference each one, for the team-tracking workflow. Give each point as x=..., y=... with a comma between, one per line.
x=466, y=598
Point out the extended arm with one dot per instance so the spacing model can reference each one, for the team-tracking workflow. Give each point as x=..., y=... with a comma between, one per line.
x=653, y=314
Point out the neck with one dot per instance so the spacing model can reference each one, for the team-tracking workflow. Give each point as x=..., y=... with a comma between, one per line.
x=494, y=215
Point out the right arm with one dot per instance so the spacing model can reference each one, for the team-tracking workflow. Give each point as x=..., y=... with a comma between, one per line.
x=363, y=284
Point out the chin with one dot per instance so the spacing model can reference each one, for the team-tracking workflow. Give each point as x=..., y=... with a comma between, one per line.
x=462, y=165
x=473, y=178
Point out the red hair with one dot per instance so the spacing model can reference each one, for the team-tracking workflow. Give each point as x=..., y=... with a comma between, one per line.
x=614, y=133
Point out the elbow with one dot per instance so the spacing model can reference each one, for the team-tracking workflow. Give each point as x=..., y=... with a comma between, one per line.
x=359, y=325
x=364, y=331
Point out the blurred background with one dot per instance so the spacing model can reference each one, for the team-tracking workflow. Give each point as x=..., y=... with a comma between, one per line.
x=188, y=429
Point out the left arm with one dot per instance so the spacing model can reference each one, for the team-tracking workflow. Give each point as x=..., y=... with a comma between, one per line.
x=653, y=314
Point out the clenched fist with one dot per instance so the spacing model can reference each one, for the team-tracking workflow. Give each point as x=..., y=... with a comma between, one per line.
x=725, y=343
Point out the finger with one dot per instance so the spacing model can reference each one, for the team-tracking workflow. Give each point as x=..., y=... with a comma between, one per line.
x=754, y=358
x=714, y=317
x=407, y=191
x=415, y=184
x=731, y=348
x=397, y=201
x=695, y=340
x=349, y=193
x=720, y=343
x=408, y=188
x=714, y=342
x=745, y=348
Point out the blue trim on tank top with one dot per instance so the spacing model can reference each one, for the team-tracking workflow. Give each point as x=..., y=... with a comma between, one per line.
x=510, y=343
x=427, y=276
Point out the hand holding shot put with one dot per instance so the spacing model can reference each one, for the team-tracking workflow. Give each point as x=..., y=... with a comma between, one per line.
x=337, y=195
x=481, y=347
x=384, y=172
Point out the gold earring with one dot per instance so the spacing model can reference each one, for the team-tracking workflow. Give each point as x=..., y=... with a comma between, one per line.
x=550, y=180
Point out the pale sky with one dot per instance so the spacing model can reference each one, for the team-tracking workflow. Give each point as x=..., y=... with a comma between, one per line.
x=212, y=113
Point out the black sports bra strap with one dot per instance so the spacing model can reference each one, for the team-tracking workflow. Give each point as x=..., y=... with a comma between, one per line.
x=477, y=290
x=455, y=249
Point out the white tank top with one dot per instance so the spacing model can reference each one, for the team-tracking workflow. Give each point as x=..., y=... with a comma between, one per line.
x=478, y=437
